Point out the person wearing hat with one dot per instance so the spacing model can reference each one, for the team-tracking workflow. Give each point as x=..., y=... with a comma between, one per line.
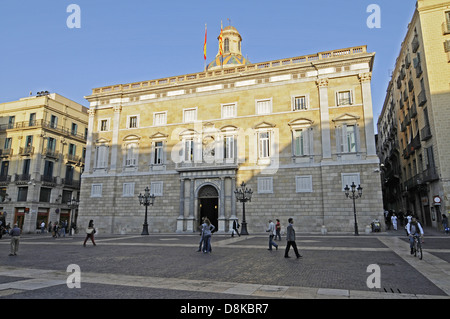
x=15, y=237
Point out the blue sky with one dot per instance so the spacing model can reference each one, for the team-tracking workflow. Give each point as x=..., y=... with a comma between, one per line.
x=137, y=40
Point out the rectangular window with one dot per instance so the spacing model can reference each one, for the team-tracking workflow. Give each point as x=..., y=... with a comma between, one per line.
x=51, y=144
x=74, y=129
x=11, y=121
x=159, y=149
x=8, y=143
x=160, y=118
x=96, y=190
x=228, y=110
x=72, y=149
x=303, y=184
x=299, y=142
x=32, y=120
x=351, y=139
x=22, y=194
x=156, y=188
x=344, y=98
x=53, y=121
x=103, y=125
x=189, y=150
x=300, y=103
x=265, y=185
x=29, y=141
x=228, y=147
x=131, y=156
x=189, y=115
x=44, y=195
x=128, y=190
x=349, y=178
x=264, y=107
x=26, y=166
x=132, y=121
x=102, y=156
x=264, y=144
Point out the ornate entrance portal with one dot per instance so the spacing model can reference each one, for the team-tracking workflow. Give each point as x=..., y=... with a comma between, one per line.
x=208, y=201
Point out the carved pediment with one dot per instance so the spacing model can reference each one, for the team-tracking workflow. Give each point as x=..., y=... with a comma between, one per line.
x=301, y=122
x=264, y=125
x=346, y=118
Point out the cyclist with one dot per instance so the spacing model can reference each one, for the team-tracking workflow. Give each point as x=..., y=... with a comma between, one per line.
x=413, y=228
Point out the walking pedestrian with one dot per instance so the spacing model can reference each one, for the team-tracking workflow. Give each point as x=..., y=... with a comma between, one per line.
x=63, y=228
x=271, y=232
x=278, y=230
x=42, y=227
x=235, y=228
x=445, y=223
x=290, y=237
x=394, y=221
x=201, y=244
x=15, y=238
x=90, y=231
x=208, y=228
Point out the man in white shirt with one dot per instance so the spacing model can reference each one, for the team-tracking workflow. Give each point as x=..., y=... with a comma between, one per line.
x=271, y=231
x=413, y=228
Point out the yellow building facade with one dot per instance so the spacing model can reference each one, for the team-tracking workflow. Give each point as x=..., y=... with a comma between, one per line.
x=413, y=130
x=42, y=147
x=295, y=130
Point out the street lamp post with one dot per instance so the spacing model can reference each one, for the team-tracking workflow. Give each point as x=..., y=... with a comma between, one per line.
x=147, y=199
x=243, y=195
x=73, y=205
x=354, y=196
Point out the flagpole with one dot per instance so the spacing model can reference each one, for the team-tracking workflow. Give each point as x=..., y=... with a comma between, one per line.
x=204, y=47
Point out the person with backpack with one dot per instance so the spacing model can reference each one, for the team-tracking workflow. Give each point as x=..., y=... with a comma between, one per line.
x=413, y=228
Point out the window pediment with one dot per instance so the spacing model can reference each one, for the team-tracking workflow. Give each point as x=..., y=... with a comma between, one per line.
x=346, y=118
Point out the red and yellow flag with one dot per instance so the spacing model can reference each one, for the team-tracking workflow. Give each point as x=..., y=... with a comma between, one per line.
x=221, y=39
x=204, y=45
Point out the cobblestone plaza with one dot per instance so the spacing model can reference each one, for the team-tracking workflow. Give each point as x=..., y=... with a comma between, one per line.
x=167, y=266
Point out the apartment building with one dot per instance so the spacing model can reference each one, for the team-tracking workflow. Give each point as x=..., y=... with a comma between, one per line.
x=413, y=130
x=42, y=140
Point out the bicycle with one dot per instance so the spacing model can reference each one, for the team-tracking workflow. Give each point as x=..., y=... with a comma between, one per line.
x=417, y=246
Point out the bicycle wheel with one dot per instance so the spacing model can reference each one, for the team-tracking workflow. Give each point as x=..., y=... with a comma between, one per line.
x=415, y=247
x=419, y=249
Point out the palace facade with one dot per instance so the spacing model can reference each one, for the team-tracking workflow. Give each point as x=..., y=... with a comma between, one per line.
x=296, y=130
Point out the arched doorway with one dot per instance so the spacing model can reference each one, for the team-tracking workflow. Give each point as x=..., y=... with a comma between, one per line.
x=208, y=201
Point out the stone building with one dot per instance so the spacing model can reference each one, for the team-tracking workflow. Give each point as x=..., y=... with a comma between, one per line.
x=413, y=130
x=42, y=146
x=296, y=130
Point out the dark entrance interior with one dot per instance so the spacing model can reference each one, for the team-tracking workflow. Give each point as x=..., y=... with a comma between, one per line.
x=208, y=200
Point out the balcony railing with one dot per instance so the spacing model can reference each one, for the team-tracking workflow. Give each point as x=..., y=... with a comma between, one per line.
x=6, y=152
x=25, y=151
x=415, y=44
x=430, y=174
x=44, y=124
x=446, y=27
x=422, y=98
x=426, y=133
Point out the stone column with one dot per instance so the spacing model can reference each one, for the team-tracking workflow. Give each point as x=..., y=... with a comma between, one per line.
x=191, y=219
x=115, y=137
x=221, y=218
x=324, y=118
x=233, y=203
x=180, y=219
x=365, y=78
x=87, y=164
